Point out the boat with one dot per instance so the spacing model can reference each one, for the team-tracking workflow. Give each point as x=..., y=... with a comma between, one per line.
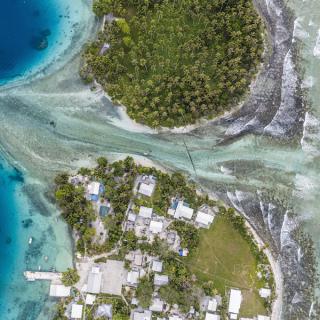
x=30, y=240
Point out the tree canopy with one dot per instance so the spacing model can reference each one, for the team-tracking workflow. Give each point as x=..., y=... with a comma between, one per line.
x=173, y=62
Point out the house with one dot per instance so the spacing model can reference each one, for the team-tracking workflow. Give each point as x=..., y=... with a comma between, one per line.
x=138, y=259
x=104, y=311
x=132, y=217
x=211, y=316
x=160, y=280
x=59, y=290
x=235, y=299
x=183, y=211
x=94, y=190
x=259, y=317
x=156, y=266
x=204, y=219
x=145, y=315
x=76, y=311
x=146, y=188
x=156, y=227
x=145, y=212
x=265, y=293
x=104, y=210
x=175, y=317
x=94, y=280
x=212, y=305
x=157, y=305
x=133, y=277
x=90, y=299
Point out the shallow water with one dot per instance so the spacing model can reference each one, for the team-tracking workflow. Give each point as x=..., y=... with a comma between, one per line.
x=59, y=124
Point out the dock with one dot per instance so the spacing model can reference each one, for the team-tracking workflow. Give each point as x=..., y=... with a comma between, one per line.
x=39, y=275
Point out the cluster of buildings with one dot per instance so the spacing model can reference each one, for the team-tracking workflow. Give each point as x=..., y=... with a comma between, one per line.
x=121, y=278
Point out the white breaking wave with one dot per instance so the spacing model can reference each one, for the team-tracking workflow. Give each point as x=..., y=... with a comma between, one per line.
x=298, y=31
x=286, y=114
x=288, y=226
x=308, y=82
x=316, y=49
x=310, y=141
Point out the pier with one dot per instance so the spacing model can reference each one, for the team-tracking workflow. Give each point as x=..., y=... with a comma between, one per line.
x=39, y=275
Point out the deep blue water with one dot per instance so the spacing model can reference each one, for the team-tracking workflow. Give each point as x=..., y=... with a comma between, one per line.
x=27, y=32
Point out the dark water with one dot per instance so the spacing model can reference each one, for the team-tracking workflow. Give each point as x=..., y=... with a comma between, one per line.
x=27, y=31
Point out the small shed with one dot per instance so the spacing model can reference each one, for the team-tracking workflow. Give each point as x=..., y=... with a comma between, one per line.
x=157, y=305
x=265, y=293
x=211, y=316
x=145, y=315
x=212, y=305
x=145, y=212
x=90, y=299
x=132, y=217
x=104, y=310
x=76, y=311
x=157, y=266
x=146, y=189
x=160, y=280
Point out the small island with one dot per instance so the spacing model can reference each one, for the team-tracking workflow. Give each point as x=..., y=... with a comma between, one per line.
x=149, y=245
x=171, y=63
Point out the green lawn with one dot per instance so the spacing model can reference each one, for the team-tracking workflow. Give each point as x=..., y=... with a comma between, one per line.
x=224, y=257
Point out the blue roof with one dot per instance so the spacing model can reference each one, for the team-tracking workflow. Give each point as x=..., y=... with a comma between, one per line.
x=94, y=197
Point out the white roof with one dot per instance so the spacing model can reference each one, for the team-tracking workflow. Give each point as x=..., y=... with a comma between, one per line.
x=146, y=189
x=204, y=218
x=90, y=298
x=160, y=280
x=138, y=259
x=145, y=212
x=93, y=188
x=183, y=211
x=212, y=305
x=156, y=226
x=59, y=290
x=157, y=305
x=94, y=280
x=171, y=212
x=174, y=317
x=210, y=316
x=234, y=301
x=133, y=277
x=132, y=217
x=263, y=317
x=233, y=316
x=264, y=292
x=156, y=266
x=146, y=315
x=76, y=311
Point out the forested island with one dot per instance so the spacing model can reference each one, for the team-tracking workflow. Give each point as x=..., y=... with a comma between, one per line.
x=173, y=62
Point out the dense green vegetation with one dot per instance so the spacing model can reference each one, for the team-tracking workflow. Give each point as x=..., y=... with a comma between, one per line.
x=173, y=62
x=70, y=277
x=144, y=291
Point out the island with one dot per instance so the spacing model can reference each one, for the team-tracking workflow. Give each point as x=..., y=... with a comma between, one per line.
x=171, y=63
x=149, y=245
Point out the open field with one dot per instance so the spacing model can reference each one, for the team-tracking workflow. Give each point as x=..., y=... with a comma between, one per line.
x=224, y=257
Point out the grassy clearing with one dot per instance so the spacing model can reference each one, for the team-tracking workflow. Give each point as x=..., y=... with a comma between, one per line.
x=224, y=257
